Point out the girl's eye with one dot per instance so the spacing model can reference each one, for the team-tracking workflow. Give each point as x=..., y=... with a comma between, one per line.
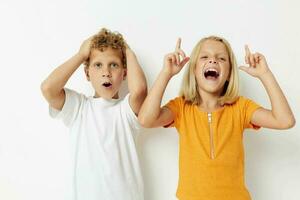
x=223, y=59
x=114, y=65
x=203, y=57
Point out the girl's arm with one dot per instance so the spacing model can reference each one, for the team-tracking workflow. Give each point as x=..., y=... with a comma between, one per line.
x=52, y=87
x=281, y=115
x=151, y=114
x=137, y=85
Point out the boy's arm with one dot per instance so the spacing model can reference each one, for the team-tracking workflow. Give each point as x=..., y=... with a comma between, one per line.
x=151, y=114
x=281, y=115
x=52, y=86
x=137, y=85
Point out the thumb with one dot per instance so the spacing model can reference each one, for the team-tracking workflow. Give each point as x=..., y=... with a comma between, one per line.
x=184, y=61
x=244, y=68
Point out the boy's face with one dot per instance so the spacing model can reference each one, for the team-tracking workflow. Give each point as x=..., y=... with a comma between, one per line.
x=106, y=72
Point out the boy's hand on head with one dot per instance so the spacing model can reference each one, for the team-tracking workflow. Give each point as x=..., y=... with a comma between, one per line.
x=85, y=48
x=174, y=62
x=257, y=64
x=128, y=49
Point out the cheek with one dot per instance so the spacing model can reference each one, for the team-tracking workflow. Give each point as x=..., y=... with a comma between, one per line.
x=198, y=68
x=119, y=76
x=226, y=69
x=93, y=73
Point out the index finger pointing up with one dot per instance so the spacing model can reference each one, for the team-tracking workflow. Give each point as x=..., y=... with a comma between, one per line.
x=247, y=50
x=178, y=44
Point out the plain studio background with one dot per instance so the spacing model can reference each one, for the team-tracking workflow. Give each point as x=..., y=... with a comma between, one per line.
x=37, y=36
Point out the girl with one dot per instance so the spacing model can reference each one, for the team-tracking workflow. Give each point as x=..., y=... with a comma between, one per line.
x=210, y=117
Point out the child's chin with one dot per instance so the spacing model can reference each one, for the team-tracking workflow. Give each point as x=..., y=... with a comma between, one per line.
x=212, y=89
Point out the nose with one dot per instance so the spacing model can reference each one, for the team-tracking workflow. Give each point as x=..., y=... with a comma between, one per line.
x=106, y=72
x=212, y=61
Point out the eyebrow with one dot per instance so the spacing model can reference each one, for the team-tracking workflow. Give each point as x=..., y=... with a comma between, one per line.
x=222, y=53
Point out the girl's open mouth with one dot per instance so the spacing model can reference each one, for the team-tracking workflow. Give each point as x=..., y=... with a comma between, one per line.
x=211, y=74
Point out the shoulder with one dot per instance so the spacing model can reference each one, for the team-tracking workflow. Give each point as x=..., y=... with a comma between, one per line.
x=177, y=100
x=74, y=94
x=245, y=104
x=240, y=100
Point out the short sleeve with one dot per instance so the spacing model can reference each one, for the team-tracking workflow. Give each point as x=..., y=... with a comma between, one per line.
x=176, y=106
x=248, y=108
x=70, y=109
x=130, y=115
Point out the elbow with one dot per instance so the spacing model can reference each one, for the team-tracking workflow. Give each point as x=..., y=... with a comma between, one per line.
x=144, y=122
x=291, y=123
x=287, y=124
x=45, y=88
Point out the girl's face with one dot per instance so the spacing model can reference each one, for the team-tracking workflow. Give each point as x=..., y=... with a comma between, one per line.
x=213, y=67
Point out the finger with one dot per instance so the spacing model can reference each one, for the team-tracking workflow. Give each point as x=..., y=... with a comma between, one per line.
x=178, y=44
x=256, y=57
x=177, y=58
x=252, y=60
x=173, y=59
x=244, y=68
x=181, y=52
x=169, y=57
x=184, y=61
x=247, y=51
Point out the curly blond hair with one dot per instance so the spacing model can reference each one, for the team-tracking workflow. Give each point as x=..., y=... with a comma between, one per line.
x=106, y=38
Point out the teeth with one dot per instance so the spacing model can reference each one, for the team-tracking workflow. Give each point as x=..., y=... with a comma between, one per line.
x=211, y=70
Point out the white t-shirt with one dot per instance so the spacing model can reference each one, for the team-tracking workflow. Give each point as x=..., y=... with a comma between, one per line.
x=104, y=156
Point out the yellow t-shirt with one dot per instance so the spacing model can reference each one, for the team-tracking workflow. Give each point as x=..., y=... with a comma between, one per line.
x=211, y=154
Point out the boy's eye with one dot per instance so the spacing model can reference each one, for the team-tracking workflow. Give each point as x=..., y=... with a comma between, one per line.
x=114, y=65
x=98, y=65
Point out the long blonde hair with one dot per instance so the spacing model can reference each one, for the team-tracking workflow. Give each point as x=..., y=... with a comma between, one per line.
x=189, y=88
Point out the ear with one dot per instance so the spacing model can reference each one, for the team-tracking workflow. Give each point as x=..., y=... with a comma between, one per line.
x=124, y=74
x=86, y=70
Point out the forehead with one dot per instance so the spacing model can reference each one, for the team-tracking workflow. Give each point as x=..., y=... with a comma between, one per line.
x=212, y=46
x=108, y=54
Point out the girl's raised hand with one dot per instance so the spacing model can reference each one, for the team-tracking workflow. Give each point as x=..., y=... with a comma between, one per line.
x=174, y=62
x=257, y=64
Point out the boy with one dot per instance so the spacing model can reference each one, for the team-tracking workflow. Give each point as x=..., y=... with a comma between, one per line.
x=103, y=128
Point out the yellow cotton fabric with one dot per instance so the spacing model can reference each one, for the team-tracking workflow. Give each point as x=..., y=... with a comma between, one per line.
x=200, y=176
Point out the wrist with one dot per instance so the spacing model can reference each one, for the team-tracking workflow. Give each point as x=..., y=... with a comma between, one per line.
x=81, y=56
x=166, y=74
x=265, y=75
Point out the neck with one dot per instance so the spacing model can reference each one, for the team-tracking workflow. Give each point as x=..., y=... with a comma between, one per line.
x=116, y=96
x=209, y=101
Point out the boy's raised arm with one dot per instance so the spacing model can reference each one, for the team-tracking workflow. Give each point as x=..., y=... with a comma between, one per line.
x=52, y=86
x=137, y=84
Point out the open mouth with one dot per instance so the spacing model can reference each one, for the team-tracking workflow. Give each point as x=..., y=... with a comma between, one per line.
x=211, y=73
x=107, y=84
